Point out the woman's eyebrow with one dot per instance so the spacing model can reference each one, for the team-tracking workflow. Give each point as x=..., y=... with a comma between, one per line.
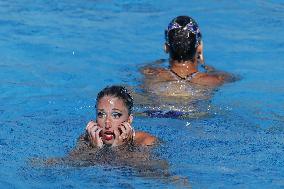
x=116, y=109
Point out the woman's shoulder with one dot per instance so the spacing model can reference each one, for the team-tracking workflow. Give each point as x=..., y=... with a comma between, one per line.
x=154, y=70
x=212, y=79
x=207, y=79
x=158, y=74
x=144, y=139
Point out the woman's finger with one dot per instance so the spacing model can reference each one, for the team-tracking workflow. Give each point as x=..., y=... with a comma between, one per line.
x=94, y=130
x=90, y=125
x=122, y=128
x=97, y=133
x=128, y=128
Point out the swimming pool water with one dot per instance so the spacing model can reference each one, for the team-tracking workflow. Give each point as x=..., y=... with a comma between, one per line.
x=56, y=56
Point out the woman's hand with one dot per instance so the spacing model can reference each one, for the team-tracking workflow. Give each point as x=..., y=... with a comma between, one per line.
x=93, y=130
x=126, y=134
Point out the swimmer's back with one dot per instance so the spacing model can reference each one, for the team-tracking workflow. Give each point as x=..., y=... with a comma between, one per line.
x=205, y=79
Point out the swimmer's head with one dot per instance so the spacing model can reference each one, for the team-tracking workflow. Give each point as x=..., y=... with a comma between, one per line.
x=182, y=37
x=119, y=92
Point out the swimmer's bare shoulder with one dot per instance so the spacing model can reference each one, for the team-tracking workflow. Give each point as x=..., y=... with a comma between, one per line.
x=152, y=70
x=205, y=79
x=212, y=79
x=144, y=139
x=162, y=74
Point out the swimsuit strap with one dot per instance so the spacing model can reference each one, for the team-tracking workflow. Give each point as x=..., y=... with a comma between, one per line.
x=188, y=78
x=191, y=76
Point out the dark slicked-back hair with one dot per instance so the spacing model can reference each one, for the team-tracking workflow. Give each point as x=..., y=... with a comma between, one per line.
x=119, y=92
x=182, y=37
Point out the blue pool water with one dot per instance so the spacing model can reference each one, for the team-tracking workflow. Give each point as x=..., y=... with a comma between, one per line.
x=56, y=56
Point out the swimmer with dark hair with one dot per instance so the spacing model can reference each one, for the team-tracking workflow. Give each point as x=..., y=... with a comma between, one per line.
x=110, y=132
x=113, y=121
x=183, y=42
x=111, y=140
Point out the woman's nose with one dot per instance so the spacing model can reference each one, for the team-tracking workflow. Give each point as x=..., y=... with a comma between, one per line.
x=108, y=122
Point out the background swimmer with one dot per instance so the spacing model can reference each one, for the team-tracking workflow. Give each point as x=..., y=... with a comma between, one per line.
x=177, y=87
x=185, y=47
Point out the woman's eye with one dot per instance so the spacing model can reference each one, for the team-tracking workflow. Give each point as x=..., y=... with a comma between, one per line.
x=116, y=115
x=100, y=114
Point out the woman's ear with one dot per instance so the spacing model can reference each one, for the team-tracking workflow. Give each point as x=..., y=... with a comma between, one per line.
x=199, y=52
x=166, y=48
x=130, y=119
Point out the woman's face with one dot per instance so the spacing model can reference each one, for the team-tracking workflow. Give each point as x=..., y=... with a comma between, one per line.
x=111, y=112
